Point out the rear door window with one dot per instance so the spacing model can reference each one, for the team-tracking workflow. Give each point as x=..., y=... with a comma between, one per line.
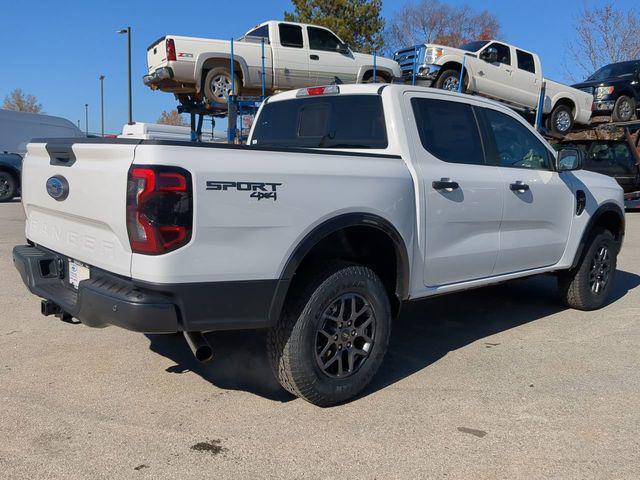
x=526, y=61
x=332, y=121
x=290, y=35
x=448, y=130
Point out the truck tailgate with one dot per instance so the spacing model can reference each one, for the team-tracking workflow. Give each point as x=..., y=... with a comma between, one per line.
x=156, y=54
x=88, y=225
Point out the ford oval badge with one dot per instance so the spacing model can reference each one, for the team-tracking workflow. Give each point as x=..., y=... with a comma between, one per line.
x=58, y=188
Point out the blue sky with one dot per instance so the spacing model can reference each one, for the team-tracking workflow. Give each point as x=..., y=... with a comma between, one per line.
x=57, y=49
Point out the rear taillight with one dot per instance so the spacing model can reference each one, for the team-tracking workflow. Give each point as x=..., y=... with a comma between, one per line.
x=159, y=209
x=311, y=91
x=171, y=49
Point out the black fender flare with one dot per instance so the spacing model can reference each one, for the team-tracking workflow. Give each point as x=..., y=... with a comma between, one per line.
x=601, y=210
x=327, y=228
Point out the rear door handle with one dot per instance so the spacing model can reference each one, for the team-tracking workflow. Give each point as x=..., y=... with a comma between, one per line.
x=314, y=57
x=519, y=187
x=445, y=184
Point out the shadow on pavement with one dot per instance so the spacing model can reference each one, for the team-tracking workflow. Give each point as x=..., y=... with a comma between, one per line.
x=425, y=332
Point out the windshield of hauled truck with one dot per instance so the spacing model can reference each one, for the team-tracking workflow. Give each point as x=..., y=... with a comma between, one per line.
x=625, y=69
x=473, y=46
x=322, y=121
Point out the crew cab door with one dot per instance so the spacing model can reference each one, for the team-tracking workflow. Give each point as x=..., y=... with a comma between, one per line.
x=525, y=77
x=495, y=78
x=329, y=58
x=462, y=201
x=538, y=203
x=291, y=58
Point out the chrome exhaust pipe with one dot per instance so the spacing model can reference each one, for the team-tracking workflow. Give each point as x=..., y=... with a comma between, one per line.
x=199, y=345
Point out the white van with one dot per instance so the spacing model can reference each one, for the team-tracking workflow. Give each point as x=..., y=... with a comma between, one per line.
x=18, y=128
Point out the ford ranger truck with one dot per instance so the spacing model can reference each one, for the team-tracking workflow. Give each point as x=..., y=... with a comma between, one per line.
x=295, y=55
x=501, y=72
x=348, y=201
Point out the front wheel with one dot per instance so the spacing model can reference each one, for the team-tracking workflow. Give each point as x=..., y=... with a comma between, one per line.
x=449, y=80
x=587, y=287
x=560, y=121
x=333, y=335
x=624, y=109
x=8, y=187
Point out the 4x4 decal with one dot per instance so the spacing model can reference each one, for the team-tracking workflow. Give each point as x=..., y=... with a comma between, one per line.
x=259, y=190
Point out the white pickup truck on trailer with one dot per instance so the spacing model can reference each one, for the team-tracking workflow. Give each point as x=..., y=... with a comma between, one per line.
x=348, y=201
x=501, y=72
x=295, y=55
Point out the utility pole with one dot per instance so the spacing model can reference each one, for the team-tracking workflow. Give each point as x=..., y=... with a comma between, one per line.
x=101, y=78
x=127, y=31
x=86, y=119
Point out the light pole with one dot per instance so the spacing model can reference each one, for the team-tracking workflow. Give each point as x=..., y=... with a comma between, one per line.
x=128, y=32
x=101, y=78
x=86, y=119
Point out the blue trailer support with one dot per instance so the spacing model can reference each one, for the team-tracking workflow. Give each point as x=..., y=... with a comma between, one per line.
x=461, y=80
x=262, y=71
x=540, y=108
x=231, y=126
x=375, y=77
x=415, y=64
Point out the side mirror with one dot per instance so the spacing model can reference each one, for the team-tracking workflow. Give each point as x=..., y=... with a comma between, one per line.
x=490, y=55
x=569, y=159
x=343, y=48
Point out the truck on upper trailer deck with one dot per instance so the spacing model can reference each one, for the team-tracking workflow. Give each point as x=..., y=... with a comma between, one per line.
x=295, y=55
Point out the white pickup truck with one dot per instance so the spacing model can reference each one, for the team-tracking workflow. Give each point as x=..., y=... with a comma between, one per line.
x=348, y=201
x=499, y=71
x=295, y=55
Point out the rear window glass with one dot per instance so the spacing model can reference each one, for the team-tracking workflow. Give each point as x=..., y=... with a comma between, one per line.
x=340, y=121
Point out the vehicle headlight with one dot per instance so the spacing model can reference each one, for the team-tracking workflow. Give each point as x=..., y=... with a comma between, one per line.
x=432, y=54
x=602, y=91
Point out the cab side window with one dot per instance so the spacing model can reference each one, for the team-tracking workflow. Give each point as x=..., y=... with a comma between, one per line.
x=321, y=39
x=526, y=61
x=504, y=52
x=290, y=35
x=448, y=130
x=515, y=145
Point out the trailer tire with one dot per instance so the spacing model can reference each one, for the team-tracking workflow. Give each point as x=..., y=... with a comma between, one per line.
x=217, y=85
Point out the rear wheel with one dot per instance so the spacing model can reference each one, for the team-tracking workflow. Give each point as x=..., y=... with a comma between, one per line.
x=217, y=85
x=449, y=80
x=333, y=334
x=560, y=121
x=587, y=287
x=8, y=187
x=624, y=109
x=378, y=79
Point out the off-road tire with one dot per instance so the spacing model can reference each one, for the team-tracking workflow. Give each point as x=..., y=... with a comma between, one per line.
x=552, y=120
x=622, y=114
x=8, y=187
x=446, y=76
x=574, y=285
x=291, y=344
x=209, y=93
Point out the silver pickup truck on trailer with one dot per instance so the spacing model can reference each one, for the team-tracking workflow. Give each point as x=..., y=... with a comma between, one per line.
x=348, y=201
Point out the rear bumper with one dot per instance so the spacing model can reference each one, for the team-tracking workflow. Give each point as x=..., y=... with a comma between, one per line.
x=107, y=299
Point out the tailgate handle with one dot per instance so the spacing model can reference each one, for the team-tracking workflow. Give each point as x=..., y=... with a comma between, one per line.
x=61, y=154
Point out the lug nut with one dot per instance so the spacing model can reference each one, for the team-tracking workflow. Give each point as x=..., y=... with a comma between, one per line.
x=335, y=337
x=340, y=325
x=349, y=344
x=353, y=333
x=348, y=323
x=339, y=347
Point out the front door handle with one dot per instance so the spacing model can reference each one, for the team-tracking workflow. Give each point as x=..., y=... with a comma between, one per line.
x=314, y=57
x=519, y=187
x=445, y=184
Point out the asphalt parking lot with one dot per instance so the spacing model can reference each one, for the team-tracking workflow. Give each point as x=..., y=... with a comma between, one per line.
x=501, y=382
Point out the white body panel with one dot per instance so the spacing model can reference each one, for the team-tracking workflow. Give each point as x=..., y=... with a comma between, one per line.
x=488, y=235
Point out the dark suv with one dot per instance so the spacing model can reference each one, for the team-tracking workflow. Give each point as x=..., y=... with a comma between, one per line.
x=10, y=167
x=619, y=158
x=615, y=89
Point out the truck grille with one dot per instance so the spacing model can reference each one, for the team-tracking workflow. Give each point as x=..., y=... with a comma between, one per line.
x=409, y=58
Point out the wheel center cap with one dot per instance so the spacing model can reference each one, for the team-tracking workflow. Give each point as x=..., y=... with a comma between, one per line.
x=344, y=335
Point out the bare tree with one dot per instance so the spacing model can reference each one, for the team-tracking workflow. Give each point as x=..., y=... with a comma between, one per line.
x=431, y=21
x=18, y=101
x=604, y=34
x=171, y=117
